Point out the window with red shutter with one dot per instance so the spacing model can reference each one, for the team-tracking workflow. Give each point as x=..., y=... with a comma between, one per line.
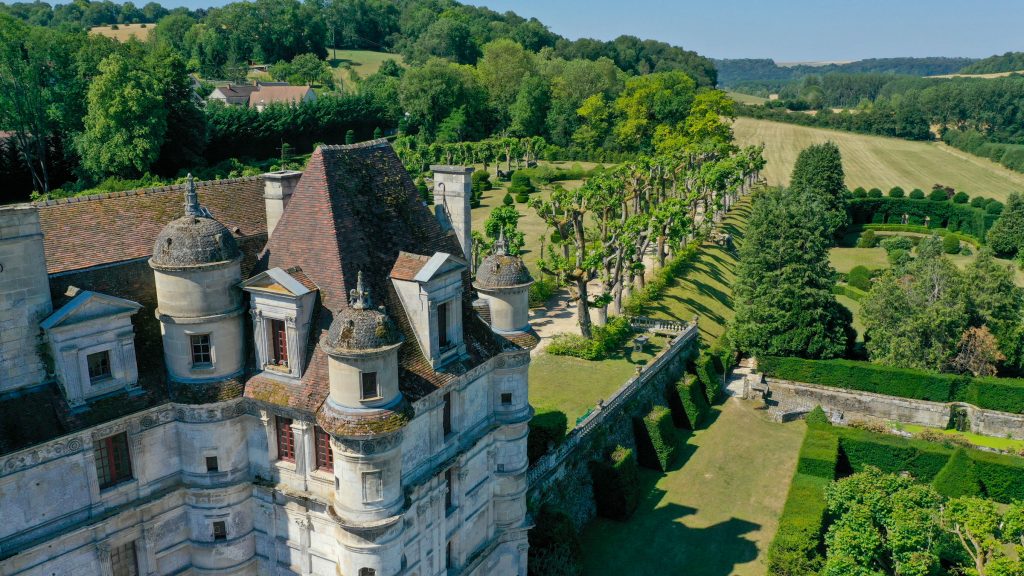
x=278, y=343
x=285, y=439
x=113, y=462
x=324, y=456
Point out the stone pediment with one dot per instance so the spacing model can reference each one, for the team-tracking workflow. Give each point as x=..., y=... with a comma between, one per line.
x=423, y=269
x=276, y=281
x=87, y=305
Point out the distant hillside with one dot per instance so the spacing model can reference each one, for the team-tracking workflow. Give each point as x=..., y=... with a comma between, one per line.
x=765, y=71
x=1009, y=62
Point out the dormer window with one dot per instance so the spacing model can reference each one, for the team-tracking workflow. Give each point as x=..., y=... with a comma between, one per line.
x=282, y=305
x=92, y=344
x=430, y=289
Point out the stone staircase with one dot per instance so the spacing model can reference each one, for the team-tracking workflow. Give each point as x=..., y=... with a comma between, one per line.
x=736, y=383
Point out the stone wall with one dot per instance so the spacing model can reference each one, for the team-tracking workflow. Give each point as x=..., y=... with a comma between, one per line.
x=562, y=477
x=843, y=406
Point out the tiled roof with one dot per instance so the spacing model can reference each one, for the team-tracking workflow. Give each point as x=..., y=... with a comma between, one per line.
x=356, y=209
x=83, y=232
x=407, y=266
x=284, y=94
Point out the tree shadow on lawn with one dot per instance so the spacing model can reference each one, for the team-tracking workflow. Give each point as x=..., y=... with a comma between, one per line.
x=695, y=307
x=656, y=541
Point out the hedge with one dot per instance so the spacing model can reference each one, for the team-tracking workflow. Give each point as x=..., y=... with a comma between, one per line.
x=656, y=439
x=616, y=481
x=1001, y=475
x=943, y=214
x=546, y=428
x=848, y=291
x=796, y=549
x=1001, y=394
x=688, y=403
x=819, y=453
x=912, y=228
x=892, y=454
x=865, y=376
x=709, y=374
x=958, y=477
x=554, y=546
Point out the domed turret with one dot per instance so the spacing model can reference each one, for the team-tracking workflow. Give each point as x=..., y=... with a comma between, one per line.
x=360, y=327
x=197, y=266
x=504, y=282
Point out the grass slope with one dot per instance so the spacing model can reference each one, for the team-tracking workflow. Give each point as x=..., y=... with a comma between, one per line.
x=745, y=98
x=876, y=161
x=705, y=290
x=713, y=516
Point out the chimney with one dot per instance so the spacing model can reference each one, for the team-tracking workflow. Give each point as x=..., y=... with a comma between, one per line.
x=277, y=191
x=453, y=191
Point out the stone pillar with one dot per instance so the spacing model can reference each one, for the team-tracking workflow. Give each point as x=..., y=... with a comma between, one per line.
x=24, y=297
x=277, y=191
x=453, y=192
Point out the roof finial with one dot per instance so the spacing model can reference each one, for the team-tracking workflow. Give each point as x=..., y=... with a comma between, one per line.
x=501, y=244
x=359, y=298
x=191, y=198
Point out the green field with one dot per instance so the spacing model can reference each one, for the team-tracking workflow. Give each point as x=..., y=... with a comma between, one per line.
x=745, y=98
x=876, y=161
x=714, y=515
x=705, y=288
x=978, y=440
x=363, y=62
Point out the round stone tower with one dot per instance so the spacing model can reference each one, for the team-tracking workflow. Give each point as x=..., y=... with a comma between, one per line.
x=365, y=414
x=504, y=281
x=196, y=262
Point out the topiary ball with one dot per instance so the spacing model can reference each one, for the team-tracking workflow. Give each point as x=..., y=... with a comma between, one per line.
x=917, y=194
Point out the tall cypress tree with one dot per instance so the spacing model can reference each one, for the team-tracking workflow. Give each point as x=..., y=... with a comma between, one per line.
x=784, y=300
x=818, y=171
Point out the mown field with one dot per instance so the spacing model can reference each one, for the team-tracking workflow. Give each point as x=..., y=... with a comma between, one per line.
x=363, y=62
x=124, y=31
x=876, y=161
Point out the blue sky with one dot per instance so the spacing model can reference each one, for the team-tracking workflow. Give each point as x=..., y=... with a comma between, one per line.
x=792, y=30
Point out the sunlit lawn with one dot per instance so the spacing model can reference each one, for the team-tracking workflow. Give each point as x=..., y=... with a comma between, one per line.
x=574, y=386
x=705, y=288
x=713, y=516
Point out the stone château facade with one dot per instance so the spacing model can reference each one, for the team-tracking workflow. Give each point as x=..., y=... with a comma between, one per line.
x=290, y=374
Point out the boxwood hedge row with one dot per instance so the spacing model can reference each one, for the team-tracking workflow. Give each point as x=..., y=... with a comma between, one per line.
x=1001, y=394
x=956, y=217
x=656, y=439
x=688, y=403
x=616, y=481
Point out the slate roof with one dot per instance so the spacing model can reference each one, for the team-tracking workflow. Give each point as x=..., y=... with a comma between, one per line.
x=356, y=209
x=88, y=231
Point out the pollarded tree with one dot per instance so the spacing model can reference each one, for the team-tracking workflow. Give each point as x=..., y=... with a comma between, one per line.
x=784, y=300
x=1006, y=236
x=819, y=171
x=126, y=121
x=983, y=531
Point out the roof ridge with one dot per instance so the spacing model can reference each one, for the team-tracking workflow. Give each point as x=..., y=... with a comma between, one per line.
x=141, y=191
x=366, y=144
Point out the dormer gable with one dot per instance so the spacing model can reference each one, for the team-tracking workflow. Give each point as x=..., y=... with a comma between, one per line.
x=281, y=307
x=430, y=289
x=92, y=343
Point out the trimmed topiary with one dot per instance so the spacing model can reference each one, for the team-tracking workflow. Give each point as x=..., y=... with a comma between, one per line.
x=994, y=207
x=961, y=198
x=616, y=484
x=938, y=195
x=688, y=402
x=896, y=192
x=979, y=202
x=709, y=374
x=547, y=428
x=951, y=244
x=522, y=198
x=554, y=545
x=859, y=277
x=867, y=239
x=656, y=439
x=817, y=418
x=917, y=194
x=860, y=192
x=521, y=184
x=958, y=477
x=875, y=193
x=507, y=200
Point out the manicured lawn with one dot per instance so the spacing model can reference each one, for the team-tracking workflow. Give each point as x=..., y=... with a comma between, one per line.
x=871, y=161
x=977, y=440
x=845, y=259
x=854, y=307
x=713, y=516
x=574, y=386
x=705, y=289
x=364, y=62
